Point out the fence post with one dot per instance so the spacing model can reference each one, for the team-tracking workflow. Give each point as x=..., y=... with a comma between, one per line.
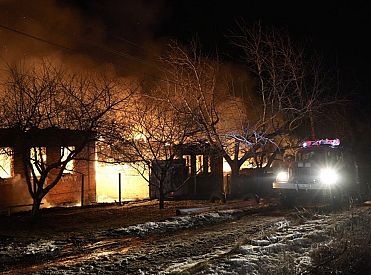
x=120, y=188
x=82, y=190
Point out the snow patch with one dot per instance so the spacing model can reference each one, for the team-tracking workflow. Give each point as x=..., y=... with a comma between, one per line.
x=176, y=223
x=40, y=248
x=283, y=246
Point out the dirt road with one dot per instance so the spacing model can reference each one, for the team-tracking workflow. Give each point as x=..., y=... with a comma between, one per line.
x=229, y=241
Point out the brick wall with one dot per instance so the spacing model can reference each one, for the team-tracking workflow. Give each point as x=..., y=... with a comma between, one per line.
x=69, y=188
x=14, y=191
x=66, y=192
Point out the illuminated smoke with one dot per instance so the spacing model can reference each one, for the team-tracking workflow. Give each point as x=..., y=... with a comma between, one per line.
x=79, y=37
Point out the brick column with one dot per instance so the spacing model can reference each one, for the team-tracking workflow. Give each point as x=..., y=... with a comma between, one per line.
x=86, y=166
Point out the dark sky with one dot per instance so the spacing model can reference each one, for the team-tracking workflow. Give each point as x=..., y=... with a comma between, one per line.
x=341, y=30
x=342, y=26
x=129, y=34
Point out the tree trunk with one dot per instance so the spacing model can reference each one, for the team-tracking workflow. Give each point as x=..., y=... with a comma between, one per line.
x=36, y=206
x=161, y=197
x=271, y=158
x=234, y=184
x=161, y=188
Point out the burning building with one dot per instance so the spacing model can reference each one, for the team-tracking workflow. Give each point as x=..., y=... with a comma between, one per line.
x=120, y=182
x=84, y=179
x=203, y=176
x=78, y=182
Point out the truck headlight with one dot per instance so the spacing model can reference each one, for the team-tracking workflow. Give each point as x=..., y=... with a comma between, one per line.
x=282, y=176
x=328, y=176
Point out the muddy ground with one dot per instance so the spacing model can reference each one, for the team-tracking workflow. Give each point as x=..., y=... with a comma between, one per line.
x=56, y=223
x=239, y=237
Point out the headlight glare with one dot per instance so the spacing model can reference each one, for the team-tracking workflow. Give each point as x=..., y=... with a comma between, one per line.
x=282, y=176
x=328, y=176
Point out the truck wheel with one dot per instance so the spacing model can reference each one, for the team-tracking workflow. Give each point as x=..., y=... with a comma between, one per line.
x=287, y=200
x=356, y=198
x=335, y=200
x=341, y=199
x=251, y=196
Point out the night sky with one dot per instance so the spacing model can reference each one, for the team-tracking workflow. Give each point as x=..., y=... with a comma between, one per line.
x=340, y=30
x=337, y=28
x=129, y=36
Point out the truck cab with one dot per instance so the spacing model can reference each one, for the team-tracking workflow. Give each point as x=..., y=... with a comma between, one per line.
x=321, y=168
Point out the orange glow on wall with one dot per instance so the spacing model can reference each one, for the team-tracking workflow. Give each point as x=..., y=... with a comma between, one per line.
x=133, y=185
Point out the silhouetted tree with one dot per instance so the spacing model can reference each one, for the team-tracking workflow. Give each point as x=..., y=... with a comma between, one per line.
x=289, y=88
x=205, y=93
x=43, y=96
x=291, y=83
x=147, y=135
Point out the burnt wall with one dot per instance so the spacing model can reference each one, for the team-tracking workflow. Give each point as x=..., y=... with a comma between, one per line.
x=14, y=190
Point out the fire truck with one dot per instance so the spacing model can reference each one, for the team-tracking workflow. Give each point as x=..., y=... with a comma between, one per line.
x=321, y=169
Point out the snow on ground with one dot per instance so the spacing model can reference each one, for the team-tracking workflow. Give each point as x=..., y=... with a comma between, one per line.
x=275, y=245
x=177, y=223
x=32, y=248
x=12, y=251
x=284, y=248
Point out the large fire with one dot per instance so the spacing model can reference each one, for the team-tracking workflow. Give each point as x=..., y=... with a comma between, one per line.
x=5, y=163
x=133, y=185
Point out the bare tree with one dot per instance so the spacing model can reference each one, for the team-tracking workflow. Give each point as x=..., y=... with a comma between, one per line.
x=291, y=84
x=290, y=81
x=206, y=93
x=289, y=89
x=40, y=98
x=147, y=135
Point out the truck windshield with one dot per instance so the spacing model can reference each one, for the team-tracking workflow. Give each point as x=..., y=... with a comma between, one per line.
x=334, y=155
x=331, y=155
x=310, y=155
